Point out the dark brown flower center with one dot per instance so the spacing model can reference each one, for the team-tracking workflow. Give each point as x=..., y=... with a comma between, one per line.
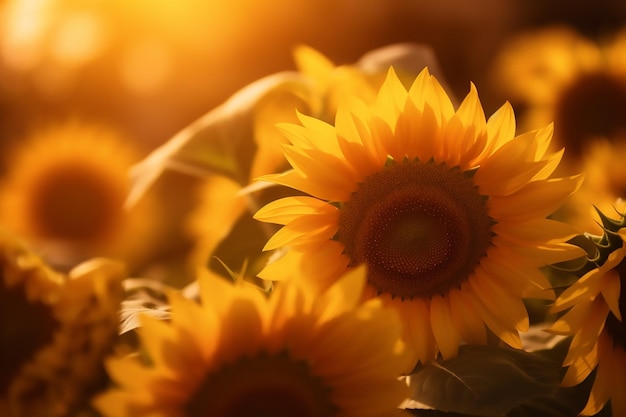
x=615, y=328
x=25, y=328
x=593, y=106
x=421, y=228
x=262, y=386
x=76, y=203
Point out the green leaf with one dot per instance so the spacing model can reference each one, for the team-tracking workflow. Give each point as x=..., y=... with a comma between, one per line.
x=485, y=380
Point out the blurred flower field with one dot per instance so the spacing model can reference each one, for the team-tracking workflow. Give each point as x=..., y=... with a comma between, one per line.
x=313, y=209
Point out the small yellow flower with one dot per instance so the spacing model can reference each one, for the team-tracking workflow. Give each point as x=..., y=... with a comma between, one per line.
x=239, y=353
x=558, y=75
x=446, y=209
x=55, y=331
x=64, y=192
x=597, y=308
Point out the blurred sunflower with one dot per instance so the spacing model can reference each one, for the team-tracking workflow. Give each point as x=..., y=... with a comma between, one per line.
x=446, y=209
x=55, y=331
x=219, y=208
x=603, y=189
x=555, y=74
x=64, y=192
x=361, y=79
x=597, y=307
x=240, y=353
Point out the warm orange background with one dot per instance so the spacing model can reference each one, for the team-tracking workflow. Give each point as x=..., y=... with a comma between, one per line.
x=150, y=67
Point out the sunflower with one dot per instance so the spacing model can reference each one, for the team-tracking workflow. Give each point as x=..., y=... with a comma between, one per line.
x=64, y=191
x=55, y=331
x=320, y=85
x=362, y=78
x=595, y=319
x=556, y=74
x=240, y=353
x=446, y=209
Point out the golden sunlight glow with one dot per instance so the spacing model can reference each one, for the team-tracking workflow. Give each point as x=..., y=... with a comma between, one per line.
x=140, y=39
x=24, y=23
x=80, y=37
x=146, y=65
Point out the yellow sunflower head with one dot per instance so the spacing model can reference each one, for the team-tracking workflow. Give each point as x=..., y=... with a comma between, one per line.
x=447, y=210
x=64, y=191
x=596, y=305
x=55, y=331
x=556, y=74
x=240, y=353
x=316, y=91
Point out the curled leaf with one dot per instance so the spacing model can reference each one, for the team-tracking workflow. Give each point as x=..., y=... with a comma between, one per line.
x=222, y=141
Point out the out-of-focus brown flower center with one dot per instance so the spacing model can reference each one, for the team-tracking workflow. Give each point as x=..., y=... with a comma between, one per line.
x=593, y=106
x=77, y=203
x=420, y=228
x=262, y=386
x=25, y=327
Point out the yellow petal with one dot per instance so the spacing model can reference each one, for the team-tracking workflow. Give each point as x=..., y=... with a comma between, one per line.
x=583, y=290
x=346, y=293
x=611, y=290
x=579, y=370
x=465, y=134
x=535, y=231
x=466, y=320
x=536, y=199
x=391, y=98
x=443, y=328
x=282, y=268
x=326, y=170
x=498, y=299
x=493, y=320
x=500, y=128
x=312, y=63
x=294, y=180
x=288, y=209
x=572, y=321
x=304, y=230
x=415, y=315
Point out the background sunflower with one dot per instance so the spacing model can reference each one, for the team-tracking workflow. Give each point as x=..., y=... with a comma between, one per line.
x=56, y=329
x=596, y=305
x=64, y=192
